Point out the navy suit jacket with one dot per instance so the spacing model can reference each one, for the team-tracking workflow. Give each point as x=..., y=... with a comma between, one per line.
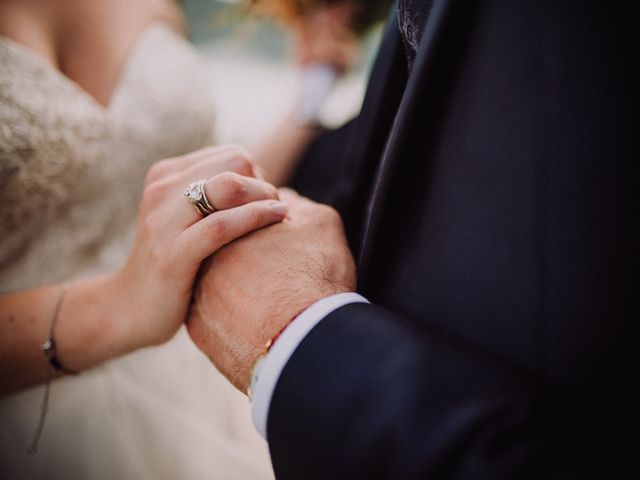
x=490, y=199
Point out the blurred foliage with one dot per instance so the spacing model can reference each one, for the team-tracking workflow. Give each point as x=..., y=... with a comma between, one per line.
x=216, y=18
x=370, y=12
x=229, y=24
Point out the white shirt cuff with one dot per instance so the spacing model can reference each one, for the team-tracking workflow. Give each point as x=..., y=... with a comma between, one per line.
x=282, y=350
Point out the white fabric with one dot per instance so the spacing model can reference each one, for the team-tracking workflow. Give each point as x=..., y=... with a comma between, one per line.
x=71, y=174
x=284, y=348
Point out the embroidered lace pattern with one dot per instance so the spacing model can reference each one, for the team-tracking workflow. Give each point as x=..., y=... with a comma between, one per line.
x=412, y=17
x=71, y=170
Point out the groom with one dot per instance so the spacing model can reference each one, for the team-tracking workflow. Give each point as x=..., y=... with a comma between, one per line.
x=487, y=193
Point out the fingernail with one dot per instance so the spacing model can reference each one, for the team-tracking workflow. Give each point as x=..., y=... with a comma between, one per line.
x=281, y=208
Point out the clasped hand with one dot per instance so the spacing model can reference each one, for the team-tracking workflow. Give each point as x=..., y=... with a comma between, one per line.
x=154, y=289
x=268, y=255
x=252, y=287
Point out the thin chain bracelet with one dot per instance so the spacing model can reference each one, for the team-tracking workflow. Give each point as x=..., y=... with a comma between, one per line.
x=257, y=366
x=49, y=350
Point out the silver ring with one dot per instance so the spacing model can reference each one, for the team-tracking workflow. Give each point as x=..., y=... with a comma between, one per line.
x=198, y=198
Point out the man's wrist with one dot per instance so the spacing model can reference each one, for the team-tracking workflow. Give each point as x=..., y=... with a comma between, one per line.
x=267, y=372
x=292, y=309
x=257, y=366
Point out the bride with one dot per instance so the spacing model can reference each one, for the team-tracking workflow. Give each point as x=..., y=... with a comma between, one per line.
x=92, y=93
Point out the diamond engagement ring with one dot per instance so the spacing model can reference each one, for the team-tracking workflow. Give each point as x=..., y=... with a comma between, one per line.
x=198, y=198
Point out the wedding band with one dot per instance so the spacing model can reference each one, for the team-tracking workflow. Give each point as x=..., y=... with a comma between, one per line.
x=198, y=198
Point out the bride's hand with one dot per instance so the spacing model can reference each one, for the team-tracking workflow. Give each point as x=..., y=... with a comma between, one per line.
x=152, y=292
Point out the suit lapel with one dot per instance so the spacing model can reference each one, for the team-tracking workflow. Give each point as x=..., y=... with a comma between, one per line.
x=398, y=145
x=365, y=146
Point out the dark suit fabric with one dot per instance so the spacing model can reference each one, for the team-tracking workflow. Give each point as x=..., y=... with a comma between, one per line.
x=490, y=199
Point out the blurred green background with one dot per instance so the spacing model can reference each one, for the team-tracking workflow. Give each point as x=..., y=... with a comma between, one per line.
x=253, y=79
x=214, y=21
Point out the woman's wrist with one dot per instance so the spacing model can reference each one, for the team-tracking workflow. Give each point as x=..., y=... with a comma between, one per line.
x=92, y=327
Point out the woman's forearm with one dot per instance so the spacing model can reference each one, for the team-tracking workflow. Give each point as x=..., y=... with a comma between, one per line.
x=146, y=302
x=90, y=329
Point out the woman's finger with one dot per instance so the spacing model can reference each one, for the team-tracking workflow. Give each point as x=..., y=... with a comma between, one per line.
x=259, y=172
x=287, y=194
x=211, y=233
x=223, y=191
x=228, y=190
x=235, y=159
x=214, y=159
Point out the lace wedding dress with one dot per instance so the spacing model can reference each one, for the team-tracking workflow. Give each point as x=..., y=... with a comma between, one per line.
x=71, y=174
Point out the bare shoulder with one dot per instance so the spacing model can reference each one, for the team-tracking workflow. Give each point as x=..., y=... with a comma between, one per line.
x=96, y=37
x=110, y=13
x=28, y=22
x=37, y=23
x=19, y=16
x=87, y=40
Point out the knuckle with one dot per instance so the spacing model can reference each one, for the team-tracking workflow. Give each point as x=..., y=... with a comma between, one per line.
x=240, y=161
x=259, y=215
x=150, y=194
x=231, y=185
x=327, y=215
x=205, y=152
x=327, y=212
x=159, y=170
x=207, y=155
x=155, y=191
x=217, y=229
x=272, y=192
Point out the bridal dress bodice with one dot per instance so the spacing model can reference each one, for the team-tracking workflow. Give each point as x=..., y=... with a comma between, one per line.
x=71, y=170
x=71, y=174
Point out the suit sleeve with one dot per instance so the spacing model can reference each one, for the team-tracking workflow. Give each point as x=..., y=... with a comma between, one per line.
x=366, y=396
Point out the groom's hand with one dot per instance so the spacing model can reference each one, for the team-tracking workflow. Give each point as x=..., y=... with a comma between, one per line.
x=253, y=287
